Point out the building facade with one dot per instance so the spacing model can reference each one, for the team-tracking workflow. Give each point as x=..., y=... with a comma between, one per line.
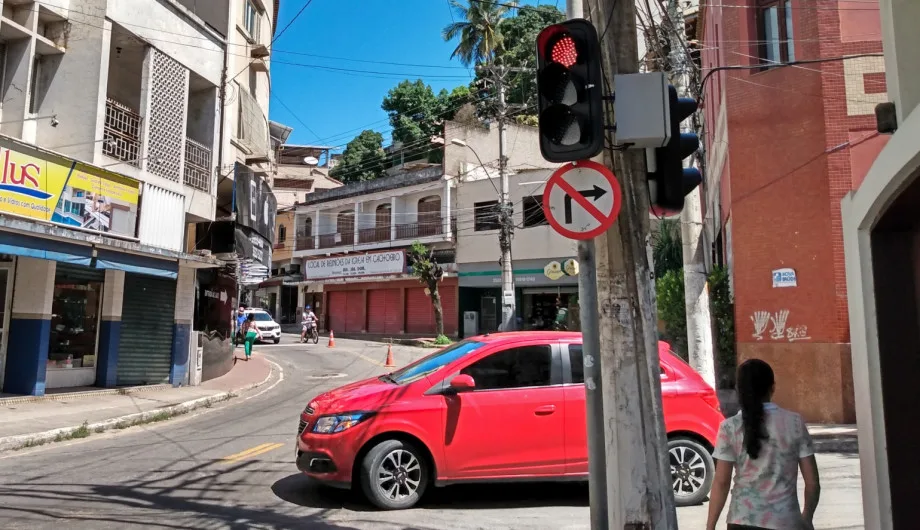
x=113, y=135
x=784, y=144
x=351, y=245
x=881, y=241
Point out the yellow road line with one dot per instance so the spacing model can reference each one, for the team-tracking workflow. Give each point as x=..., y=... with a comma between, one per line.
x=255, y=451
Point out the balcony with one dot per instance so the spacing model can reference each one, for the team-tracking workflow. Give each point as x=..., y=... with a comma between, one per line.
x=304, y=242
x=197, y=165
x=337, y=240
x=374, y=235
x=122, y=133
x=432, y=227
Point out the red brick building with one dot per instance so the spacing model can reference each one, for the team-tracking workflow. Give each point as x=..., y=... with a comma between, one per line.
x=784, y=144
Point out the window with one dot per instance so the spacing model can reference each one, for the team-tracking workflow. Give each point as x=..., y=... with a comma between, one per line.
x=774, y=20
x=434, y=362
x=527, y=366
x=533, y=211
x=251, y=20
x=282, y=233
x=383, y=216
x=485, y=216
x=577, y=363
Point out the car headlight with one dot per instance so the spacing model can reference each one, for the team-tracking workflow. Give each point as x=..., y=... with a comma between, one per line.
x=339, y=422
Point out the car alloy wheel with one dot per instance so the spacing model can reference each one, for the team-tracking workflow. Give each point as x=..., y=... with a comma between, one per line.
x=394, y=475
x=691, y=471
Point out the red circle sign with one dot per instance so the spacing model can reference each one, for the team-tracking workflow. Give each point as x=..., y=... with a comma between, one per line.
x=582, y=199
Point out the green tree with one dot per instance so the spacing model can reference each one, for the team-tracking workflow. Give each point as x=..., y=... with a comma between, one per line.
x=723, y=316
x=519, y=33
x=417, y=114
x=362, y=160
x=478, y=28
x=672, y=309
x=426, y=268
x=667, y=251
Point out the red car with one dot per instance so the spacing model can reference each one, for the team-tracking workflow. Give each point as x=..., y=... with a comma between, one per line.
x=508, y=406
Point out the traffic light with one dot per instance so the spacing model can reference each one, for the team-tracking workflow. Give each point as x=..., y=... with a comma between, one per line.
x=570, y=92
x=672, y=180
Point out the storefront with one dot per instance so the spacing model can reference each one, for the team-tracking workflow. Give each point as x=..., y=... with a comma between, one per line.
x=372, y=293
x=76, y=313
x=546, y=295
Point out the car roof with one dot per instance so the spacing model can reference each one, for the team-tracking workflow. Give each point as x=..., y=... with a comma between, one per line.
x=507, y=336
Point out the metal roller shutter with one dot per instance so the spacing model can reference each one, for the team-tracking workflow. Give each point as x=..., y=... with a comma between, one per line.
x=145, y=351
x=354, y=316
x=77, y=273
x=377, y=311
x=336, y=310
x=419, y=314
x=393, y=311
x=384, y=313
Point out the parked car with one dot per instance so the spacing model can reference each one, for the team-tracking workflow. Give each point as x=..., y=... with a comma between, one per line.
x=507, y=406
x=270, y=329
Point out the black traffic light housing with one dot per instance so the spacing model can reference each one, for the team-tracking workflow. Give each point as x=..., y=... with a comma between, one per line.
x=569, y=89
x=672, y=180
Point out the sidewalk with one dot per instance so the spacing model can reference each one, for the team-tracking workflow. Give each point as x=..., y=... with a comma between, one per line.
x=27, y=421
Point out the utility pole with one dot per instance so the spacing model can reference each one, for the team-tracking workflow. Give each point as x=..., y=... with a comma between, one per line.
x=505, y=207
x=591, y=357
x=639, y=494
x=696, y=281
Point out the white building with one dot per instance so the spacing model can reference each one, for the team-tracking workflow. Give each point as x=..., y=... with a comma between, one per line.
x=880, y=226
x=112, y=109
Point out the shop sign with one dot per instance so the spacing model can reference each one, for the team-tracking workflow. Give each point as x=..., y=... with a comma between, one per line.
x=553, y=270
x=45, y=187
x=784, y=278
x=351, y=266
x=570, y=267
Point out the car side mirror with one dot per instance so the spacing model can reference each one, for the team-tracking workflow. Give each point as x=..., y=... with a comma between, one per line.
x=462, y=383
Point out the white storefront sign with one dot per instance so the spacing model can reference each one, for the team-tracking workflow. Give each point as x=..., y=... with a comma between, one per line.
x=784, y=278
x=350, y=266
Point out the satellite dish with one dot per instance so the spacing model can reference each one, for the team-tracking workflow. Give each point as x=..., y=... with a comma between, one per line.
x=310, y=160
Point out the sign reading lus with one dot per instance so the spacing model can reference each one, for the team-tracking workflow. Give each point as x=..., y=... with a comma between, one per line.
x=582, y=199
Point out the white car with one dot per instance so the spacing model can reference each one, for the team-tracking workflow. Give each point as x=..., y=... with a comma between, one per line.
x=267, y=326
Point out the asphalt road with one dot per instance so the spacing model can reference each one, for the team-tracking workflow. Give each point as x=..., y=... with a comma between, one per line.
x=232, y=467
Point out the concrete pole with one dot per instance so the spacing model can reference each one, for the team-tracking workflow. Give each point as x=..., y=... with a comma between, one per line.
x=696, y=289
x=639, y=493
x=505, y=215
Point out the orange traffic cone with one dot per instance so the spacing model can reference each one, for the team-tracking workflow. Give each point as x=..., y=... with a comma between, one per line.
x=331, y=340
x=390, y=362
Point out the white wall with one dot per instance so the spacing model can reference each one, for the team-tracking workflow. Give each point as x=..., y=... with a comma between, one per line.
x=522, y=148
x=162, y=222
x=528, y=243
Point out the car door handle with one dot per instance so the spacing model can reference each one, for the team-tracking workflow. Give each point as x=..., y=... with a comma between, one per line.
x=545, y=410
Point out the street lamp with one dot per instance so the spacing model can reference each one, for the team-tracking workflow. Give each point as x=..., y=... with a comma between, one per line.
x=504, y=239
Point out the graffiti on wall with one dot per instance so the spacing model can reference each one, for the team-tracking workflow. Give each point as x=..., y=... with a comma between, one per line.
x=776, y=326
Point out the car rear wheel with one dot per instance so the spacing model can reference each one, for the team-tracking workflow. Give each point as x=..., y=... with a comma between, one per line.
x=394, y=475
x=692, y=471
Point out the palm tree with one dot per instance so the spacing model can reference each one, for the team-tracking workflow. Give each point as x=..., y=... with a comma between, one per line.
x=478, y=29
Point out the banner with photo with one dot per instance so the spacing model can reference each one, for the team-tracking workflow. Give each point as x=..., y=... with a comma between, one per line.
x=39, y=185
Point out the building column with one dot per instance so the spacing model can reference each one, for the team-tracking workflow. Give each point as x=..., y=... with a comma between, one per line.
x=393, y=218
x=357, y=223
x=182, y=328
x=30, y=327
x=316, y=230
x=110, y=328
x=445, y=209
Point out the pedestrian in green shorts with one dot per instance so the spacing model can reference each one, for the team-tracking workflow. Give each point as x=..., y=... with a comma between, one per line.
x=250, y=334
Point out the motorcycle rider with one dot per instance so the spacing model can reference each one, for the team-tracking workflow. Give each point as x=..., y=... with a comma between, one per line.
x=308, y=320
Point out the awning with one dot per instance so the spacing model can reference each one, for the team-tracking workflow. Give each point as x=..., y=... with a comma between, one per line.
x=136, y=264
x=41, y=248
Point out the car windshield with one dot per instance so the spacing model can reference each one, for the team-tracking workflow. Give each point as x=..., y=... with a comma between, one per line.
x=432, y=363
x=262, y=317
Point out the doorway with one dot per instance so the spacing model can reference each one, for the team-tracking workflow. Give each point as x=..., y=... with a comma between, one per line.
x=7, y=273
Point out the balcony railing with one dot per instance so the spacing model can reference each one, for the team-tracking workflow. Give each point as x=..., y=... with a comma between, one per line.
x=122, y=133
x=197, y=165
x=336, y=240
x=428, y=227
x=304, y=242
x=374, y=235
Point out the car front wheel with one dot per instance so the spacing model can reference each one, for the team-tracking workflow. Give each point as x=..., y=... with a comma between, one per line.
x=692, y=471
x=394, y=475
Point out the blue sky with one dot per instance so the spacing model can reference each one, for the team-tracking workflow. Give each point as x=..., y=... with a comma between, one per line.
x=334, y=106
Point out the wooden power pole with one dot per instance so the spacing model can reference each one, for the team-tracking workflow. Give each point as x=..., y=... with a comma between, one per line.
x=639, y=494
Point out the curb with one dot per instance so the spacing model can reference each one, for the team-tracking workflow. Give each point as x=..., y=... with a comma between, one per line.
x=61, y=396
x=21, y=441
x=836, y=445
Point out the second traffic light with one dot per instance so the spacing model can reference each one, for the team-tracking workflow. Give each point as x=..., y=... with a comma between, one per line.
x=570, y=95
x=672, y=181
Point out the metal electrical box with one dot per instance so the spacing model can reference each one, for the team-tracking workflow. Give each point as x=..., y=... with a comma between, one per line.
x=641, y=110
x=195, y=360
x=470, y=323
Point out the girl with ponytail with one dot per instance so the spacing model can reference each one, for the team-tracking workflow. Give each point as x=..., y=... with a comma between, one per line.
x=764, y=446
